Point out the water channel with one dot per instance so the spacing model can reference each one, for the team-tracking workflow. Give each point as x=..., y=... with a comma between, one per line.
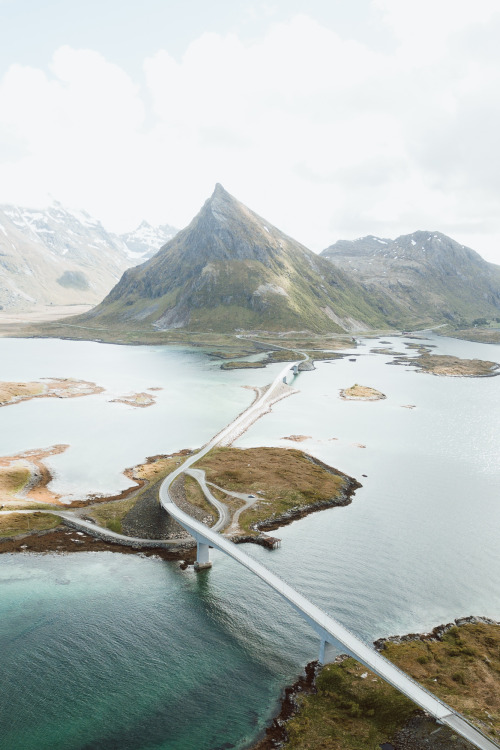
x=103, y=651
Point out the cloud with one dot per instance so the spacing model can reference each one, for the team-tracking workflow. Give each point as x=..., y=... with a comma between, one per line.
x=320, y=134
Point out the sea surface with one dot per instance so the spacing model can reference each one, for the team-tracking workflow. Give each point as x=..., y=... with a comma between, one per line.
x=102, y=650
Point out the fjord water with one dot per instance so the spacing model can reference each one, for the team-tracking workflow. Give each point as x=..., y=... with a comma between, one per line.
x=195, y=399
x=102, y=650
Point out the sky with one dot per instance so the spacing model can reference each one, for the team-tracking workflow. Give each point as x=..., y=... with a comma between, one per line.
x=331, y=119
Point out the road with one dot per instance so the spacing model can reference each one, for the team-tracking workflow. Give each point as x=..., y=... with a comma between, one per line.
x=328, y=629
x=223, y=510
x=95, y=530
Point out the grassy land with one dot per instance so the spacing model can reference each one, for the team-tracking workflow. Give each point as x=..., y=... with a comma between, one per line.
x=110, y=515
x=195, y=496
x=215, y=343
x=307, y=342
x=243, y=365
x=463, y=669
x=283, y=479
x=348, y=712
x=32, y=506
x=22, y=523
x=354, y=713
x=482, y=335
x=444, y=364
x=219, y=344
x=13, y=478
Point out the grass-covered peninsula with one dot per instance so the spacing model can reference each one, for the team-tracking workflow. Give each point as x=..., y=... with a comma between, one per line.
x=348, y=708
x=287, y=484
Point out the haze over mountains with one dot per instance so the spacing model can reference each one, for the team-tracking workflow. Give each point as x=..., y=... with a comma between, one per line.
x=60, y=257
x=428, y=274
x=230, y=269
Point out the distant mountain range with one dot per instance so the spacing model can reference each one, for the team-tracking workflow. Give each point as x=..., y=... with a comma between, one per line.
x=146, y=240
x=230, y=269
x=430, y=276
x=60, y=257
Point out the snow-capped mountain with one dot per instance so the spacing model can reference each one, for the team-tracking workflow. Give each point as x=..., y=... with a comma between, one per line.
x=146, y=240
x=59, y=256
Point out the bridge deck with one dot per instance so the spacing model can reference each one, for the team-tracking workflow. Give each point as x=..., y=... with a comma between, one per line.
x=326, y=626
x=331, y=630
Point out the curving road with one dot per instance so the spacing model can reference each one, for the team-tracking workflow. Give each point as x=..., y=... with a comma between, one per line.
x=223, y=510
x=74, y=521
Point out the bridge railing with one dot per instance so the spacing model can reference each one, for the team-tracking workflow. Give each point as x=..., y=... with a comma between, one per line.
x=325, y=622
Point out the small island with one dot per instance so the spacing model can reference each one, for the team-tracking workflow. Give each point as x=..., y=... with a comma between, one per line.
x=15, y=392
x=361, y=393
x=445, y=364
x=140, y=400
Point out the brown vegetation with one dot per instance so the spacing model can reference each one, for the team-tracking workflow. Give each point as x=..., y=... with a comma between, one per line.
x=194, y=495
x=361, y=393
x=353, y=709
x=444, y=364
x=24, y=478
x=13, y=524
x=285, y=480
x=13, y=392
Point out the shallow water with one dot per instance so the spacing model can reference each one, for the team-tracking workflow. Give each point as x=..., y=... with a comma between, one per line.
x=196, y=400
x=102, y=650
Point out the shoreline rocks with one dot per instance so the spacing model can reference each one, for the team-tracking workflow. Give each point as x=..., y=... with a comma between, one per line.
x=436, y=634
x=408, y=737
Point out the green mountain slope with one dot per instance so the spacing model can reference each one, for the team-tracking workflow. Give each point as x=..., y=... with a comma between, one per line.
x=428, y=274
x=230, y=269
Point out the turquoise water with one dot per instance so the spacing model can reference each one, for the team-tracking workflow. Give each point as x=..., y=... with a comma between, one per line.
x=103, y=650
x=114, y=651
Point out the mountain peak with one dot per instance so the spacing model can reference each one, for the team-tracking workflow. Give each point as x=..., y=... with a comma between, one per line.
x=231, y=269
x=221, y=203
x=219, y=190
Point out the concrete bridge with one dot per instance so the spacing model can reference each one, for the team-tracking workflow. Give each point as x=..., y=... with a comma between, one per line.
x=327, y=628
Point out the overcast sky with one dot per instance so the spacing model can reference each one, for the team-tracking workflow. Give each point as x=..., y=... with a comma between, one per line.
x=331, y=118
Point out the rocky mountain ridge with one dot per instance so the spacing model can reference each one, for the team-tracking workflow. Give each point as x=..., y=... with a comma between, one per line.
x=58, y=256
x=431, y=275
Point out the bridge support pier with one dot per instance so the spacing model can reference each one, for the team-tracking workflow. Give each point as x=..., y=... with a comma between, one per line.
x=202, y=556
x=321, y=657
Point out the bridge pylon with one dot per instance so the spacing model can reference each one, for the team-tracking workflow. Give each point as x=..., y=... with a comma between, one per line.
x=321, y=657
x=202, y=556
